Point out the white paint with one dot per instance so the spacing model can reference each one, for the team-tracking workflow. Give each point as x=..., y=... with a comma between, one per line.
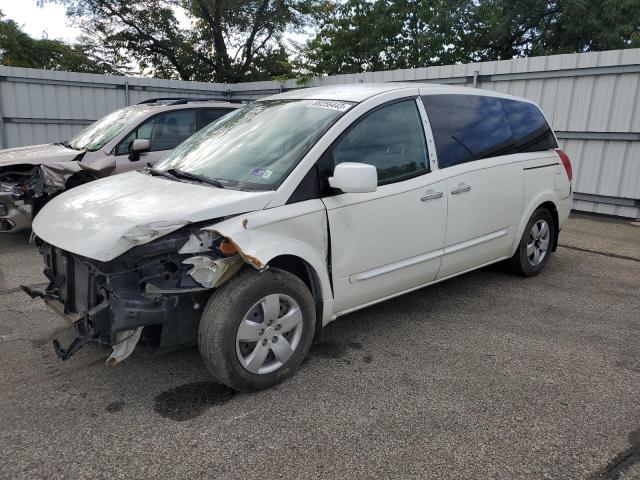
x=105, y=218
x=376, y=272
x=475, y=241
x=383, y=242
x=352, y=177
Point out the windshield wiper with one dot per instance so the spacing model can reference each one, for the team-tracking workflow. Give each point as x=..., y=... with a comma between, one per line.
x=66, y=144
x=193, y=176
x=161, y=173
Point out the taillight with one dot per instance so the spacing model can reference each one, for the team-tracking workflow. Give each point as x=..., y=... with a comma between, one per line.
x=566, y=162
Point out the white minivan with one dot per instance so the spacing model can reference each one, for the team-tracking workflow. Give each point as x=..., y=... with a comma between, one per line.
x=297, y=209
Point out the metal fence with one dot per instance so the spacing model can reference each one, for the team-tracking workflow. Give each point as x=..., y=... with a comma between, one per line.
x=591, y=99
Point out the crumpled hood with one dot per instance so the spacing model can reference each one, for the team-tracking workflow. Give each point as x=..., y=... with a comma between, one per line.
x=103, y=219
x=37, y=154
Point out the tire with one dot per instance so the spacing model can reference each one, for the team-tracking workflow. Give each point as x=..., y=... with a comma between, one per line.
x=535, y=245
x=237, y=363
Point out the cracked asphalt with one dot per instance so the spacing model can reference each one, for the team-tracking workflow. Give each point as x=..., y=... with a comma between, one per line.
x=487, y=375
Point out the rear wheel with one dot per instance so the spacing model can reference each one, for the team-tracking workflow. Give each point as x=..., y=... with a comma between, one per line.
x=257, y=329
x=536, y=244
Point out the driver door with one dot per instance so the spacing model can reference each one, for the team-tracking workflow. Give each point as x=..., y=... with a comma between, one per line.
x=389, y=241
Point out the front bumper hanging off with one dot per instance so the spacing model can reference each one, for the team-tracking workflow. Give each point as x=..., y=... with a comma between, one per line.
x=152, y=294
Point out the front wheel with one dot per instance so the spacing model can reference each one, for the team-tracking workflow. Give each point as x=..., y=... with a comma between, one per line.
x=536, y=244
x=256, y=329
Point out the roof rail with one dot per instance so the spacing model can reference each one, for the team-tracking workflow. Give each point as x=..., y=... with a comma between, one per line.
x=184, y=100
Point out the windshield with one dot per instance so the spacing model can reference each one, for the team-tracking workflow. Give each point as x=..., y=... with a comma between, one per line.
x=99, y=133
x=257, y=146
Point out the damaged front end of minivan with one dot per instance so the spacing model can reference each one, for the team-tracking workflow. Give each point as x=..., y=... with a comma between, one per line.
x=153, y=294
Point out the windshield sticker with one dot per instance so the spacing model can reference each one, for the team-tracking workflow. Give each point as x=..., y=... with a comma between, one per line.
x=262, y=172
x=339, y=106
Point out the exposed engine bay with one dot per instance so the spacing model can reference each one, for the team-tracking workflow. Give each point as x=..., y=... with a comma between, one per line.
x=12, y=182
x=31, y=186
x=153, y=294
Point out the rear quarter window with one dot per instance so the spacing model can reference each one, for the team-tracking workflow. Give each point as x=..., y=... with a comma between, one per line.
x=530, y=130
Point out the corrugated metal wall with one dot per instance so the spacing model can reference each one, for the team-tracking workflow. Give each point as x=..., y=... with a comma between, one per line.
x=591, y=99
x=40, y=106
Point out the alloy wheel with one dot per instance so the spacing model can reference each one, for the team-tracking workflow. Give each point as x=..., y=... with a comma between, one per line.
x=538, y=242
x=269, y=334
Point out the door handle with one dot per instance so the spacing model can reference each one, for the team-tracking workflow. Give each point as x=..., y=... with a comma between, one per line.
x=461, y=188
x=431, y=195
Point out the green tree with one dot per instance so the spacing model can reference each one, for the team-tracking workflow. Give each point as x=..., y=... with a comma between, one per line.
x=584, y=26
x=18, y=49
x=227, y=40
x=503, y=29
x=364, y=35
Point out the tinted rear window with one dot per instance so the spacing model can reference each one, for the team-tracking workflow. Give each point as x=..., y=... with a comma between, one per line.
x=467, y=127
x=470, y=127
x=530, y=130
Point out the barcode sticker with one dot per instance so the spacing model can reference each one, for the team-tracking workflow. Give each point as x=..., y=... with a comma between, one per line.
x=331, y=105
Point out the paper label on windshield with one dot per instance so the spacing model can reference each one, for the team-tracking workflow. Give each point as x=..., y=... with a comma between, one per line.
x=261, y=172
x=331, y=105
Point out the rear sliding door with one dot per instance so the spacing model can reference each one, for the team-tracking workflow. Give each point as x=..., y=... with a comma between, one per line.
x=485, y=185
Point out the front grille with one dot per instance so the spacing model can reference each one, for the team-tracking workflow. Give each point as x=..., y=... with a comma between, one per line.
x=59, y=268
x=59, y=263
x=73, y=280
x=81, y=287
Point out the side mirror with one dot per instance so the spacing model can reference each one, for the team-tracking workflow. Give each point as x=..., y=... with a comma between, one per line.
x=352, y=177
x=138, y=146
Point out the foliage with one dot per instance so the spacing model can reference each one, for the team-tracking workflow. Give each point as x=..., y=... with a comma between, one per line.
x=246, y=40
x=224, y=40
x=366, y=35
x=503, y=29
x=362, y=35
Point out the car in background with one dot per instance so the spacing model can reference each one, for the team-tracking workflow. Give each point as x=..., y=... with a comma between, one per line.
x=126, y=139
x=296, y=210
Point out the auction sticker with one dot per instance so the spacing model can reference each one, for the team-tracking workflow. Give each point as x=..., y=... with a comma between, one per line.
x=331, y=105
x=261, y=172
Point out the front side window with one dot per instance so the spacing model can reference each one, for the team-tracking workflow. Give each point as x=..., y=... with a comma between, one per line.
x=165, y=131
x=101, y=132
x=391, y=139
x=467, y=127
x=257, y=146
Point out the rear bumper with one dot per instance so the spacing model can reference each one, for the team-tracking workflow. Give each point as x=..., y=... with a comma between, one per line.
x=564, y=209
x=13, y=217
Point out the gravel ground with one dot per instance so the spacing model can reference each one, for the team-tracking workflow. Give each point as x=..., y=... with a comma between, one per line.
x=487, y=375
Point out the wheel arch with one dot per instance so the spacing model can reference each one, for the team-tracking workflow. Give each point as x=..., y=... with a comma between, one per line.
x=304, y=271
x=544, y=200
x=553, y=210
x=80, y=178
